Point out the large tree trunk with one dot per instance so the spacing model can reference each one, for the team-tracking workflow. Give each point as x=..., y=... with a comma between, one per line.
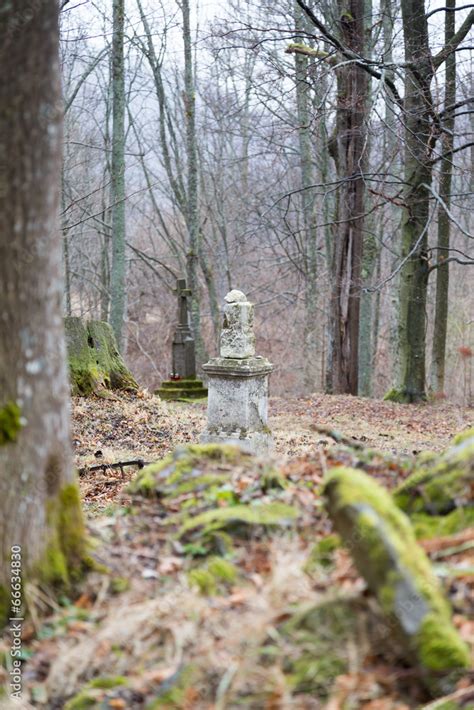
x=348, y=149
x=118, y=270
x=444, y=222
x=418, y=170
x=39, y=500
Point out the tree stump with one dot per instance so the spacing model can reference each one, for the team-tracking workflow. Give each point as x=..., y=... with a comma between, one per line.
x=94, y=361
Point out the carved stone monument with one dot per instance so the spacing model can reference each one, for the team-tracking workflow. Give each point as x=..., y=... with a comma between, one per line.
x=183, y=383
x=237, y=409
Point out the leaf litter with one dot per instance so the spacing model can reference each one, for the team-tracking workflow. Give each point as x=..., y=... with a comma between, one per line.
x=149, y=633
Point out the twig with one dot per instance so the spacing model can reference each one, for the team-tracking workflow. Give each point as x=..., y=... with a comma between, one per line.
x=118, y=465
x=460, y=695
x=338, y=437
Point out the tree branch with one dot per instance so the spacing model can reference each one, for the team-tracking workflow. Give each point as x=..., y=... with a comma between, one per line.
x=452, y=45
x=349, y=54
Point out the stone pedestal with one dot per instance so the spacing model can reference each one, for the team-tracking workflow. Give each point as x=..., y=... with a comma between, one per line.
x=237, y=410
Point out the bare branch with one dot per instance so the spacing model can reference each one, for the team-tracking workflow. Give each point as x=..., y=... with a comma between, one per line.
x=455, y=41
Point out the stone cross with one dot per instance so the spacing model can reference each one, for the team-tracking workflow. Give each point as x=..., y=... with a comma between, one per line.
x=184, y=358
x=237, y=409
x=183, y=294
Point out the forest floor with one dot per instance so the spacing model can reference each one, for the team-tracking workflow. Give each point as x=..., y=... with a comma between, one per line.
x=142, y=635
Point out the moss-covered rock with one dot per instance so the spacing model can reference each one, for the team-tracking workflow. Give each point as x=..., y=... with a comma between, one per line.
x=240, y=516
x=95, y=363
x=383, y=545
x=189, y=468
x=440, y=483
x=209, y=506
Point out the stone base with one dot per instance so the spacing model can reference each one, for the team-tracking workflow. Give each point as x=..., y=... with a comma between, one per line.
x=182, y=389
x=257, y=443
x=237, y=407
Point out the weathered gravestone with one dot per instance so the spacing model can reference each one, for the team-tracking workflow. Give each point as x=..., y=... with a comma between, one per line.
x=183, y=383
x=237, y=409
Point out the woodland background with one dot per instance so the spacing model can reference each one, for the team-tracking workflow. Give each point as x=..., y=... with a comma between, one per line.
x=230, y=176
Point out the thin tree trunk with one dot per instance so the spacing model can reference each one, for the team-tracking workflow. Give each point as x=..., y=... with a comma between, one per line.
x=118, y=269
x=444, y=222
x=309, y=221
x=369, y=258
x=40, y=514
x=192, y=213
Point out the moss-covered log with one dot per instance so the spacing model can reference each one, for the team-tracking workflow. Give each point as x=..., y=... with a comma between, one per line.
x=94, y=360
x=441, y=483
x=383, y=545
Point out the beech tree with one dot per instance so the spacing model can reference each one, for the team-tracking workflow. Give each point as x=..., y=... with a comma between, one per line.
x=40, y=508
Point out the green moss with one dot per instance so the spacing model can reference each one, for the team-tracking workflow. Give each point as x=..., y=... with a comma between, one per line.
x=173, y=691
x=66, y=557
x=91, y=696
x=315, y=645
x=396, y=395
x=440, y=483
x=428, y=526
x=119, y=585
x=441, y=648
x=383, y=545
x=171, y=476
x=203, y=580
x=82, y=701
x=10, y=423
x=463, y=436
x=267, y=514
x=93, y=357
x=222, y=570
x=322, y=553
x=108, y=682
x=215, y=573
x=198, y=483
